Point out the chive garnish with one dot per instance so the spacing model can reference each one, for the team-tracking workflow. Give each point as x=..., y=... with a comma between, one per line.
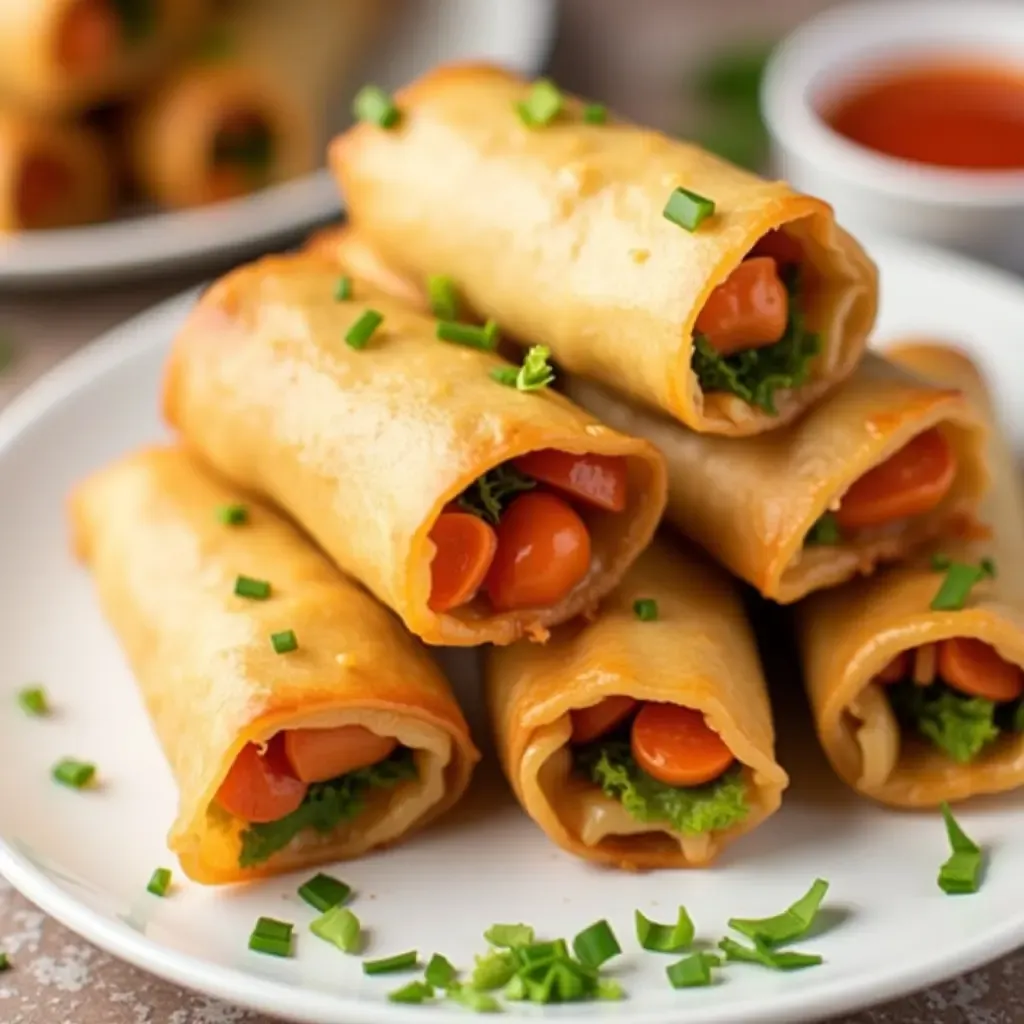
x=376, y=106
x=645, y=609
x=825, y=530
x=284, y=642
x=960, y=578
x=509, y=936
x=960, y=875
x=272, y=937
x=256, y=590
x=596, y=944
x=415, y=992
x=74, y=774
x=440, y=972
x=764, y=955
x=484, y=338
x=664, y=938
x=322, y=892
x=32, y=700
x=688, y=209
x=793, y=923
x=494, y=970
x=398, y=962
x=595, y=113
x=693, y=971
x=233, y=515
x=359, y=334
x=444, y=299
x=339, y=926
x=472, y=999
x=160, y=882
x=343, y=289
x=542, y=105
x=535, y=373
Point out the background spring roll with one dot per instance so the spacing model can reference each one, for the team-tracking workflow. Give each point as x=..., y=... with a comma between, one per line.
x=478, y=511
x=61, y=56
x=885, y=463
x=915, y=705
x=557, y=231
x=282, y=760
x=52, y=174
x=250, y=109
x=578, y=720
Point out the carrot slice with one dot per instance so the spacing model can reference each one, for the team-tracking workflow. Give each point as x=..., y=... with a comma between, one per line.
x=599, y=480
x=465, y=550
x=910, y=482
x=897, y=670
x=317, y=755
x=974, y=667
x=675, y=745
x=43, y=184
x=261, y=787
x=543, y=552
x=592, y=723
x=89, y=36
x=749, y=310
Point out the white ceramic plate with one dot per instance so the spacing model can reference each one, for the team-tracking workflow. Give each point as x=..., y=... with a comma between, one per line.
x=86, y=857
x=516, y=33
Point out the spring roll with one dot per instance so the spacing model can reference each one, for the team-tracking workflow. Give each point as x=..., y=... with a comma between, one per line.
x=250, y=110
x=301, y=728
x=62, y=56
x=53, y=174
x=916, y=675
x=477, y=511
x=642, y=738
x=556, y=230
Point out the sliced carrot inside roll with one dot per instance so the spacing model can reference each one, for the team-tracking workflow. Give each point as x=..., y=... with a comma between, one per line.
x=589, y=724
x=42, y=190
x=749, y=310
x=909, y=483
x=89, y=36
x=466, y=546
x=599, y=480
x=317, y=755
x=261, y=787
x=675, y=745
x=543, y=553
x=974, y=668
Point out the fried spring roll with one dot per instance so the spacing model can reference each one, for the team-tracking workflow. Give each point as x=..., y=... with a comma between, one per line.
x=478, y=511
x=642, y=744
x=557, y=231
x=61, y=56
x=916, y=704
x=286, y=754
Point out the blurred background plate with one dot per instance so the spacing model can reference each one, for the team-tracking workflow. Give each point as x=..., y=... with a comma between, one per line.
x=516, y=33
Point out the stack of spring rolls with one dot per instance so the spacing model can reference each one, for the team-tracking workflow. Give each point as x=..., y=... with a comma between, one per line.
x=176, y=102
x=459, y=421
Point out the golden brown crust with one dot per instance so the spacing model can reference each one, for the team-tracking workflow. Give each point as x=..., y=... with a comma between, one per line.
x=700, y=653
x=165, y=569
x=849, y=634
x=365, y=448
x=558, y=234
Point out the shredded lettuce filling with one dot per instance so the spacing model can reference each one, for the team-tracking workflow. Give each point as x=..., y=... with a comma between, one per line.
x=487, y=496
x=959, y=725
x=327, y=805
x=757, y=373
x=692, y=810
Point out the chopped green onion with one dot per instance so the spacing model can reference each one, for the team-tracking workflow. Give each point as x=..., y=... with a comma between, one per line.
x=665, y=938
x=72, y=773
x=535, y=372
x=509, y=936
x=825, y=531
x=494, y=969
x=693, y=971
x=688, y=209
x=322, y=892
x=596, y=944
x=32, y=701
x=5, y=962
x=609, y=989
x=272, y=937
x=160, y=882
x=542, y=105
x=538, y=952
x=444, y=299
x=398, y=962
x=507, y=375
x=793, y=923
x=961, y=874
x=595, y=113
x=414, y=992
x=233, y=515
x=256, y=590
x=471, y=999
x=940, y=562
x=374, y=105
x=766, y=956
x=285, y=642
x=645, y=609
x=484, y=338
x=359, y=334
x=440, y=972
x=343, y=289
x=340, y=927
x=956, y=587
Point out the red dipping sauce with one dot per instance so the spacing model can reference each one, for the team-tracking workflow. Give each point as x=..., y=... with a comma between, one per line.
x=962, y=116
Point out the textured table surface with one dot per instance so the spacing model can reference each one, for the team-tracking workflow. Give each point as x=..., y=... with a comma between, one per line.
x=631, y=54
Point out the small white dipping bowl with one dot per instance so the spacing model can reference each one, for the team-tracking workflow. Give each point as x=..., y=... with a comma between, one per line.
x=834, y=54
